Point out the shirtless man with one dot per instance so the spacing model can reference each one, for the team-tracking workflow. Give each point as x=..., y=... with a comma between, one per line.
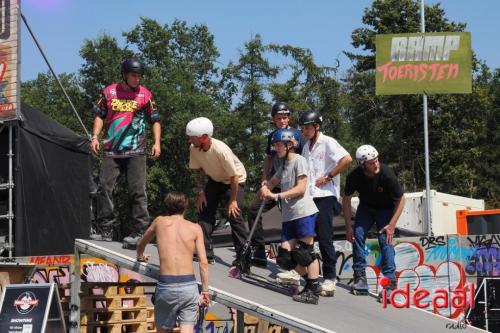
x=177, y=296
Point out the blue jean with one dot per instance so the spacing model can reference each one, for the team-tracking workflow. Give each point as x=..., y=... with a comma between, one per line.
x=365, y=218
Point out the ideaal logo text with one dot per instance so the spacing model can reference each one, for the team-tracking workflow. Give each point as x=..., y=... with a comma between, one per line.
x=421, y=298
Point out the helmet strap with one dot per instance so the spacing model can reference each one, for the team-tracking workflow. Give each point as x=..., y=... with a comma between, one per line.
x=315, y=137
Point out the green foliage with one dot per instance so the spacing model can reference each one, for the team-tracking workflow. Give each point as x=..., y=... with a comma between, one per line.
x=187, y=81
x=45, y=94
x=463, y=137
x=249, y=119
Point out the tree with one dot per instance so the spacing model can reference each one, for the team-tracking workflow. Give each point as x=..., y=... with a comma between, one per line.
x=181, y=73
x=394, y=124
x=311, y=86
x=45, y=94
x=249, y=121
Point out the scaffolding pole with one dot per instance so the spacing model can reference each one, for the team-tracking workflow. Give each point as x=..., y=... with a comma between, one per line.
x=9, y=186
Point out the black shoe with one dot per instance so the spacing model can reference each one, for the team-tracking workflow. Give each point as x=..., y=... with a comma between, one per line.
x=306, y=296
x=390, y=288
x=130, y=242
x=360, y=282
x=105, y=235
x=259, y=258
x=238, y=260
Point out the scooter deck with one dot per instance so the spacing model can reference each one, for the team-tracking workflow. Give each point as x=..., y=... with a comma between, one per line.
x=269, y=284
x=360, y=292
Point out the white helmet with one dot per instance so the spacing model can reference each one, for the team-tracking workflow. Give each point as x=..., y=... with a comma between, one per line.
x=366, y=153
x=199, y=126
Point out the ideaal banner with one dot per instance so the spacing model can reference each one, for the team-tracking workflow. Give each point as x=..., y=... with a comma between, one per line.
x=9, y=55
x=434, y=63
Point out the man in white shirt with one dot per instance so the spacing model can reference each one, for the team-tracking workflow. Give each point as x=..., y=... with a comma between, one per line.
x=326, y=159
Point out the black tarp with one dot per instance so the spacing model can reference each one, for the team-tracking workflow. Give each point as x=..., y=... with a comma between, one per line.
x=52, y=186
x=271, y=223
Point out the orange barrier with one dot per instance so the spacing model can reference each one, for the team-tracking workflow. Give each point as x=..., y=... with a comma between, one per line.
x=462, y=228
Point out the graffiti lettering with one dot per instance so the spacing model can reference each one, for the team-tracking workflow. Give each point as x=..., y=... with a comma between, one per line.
x=7, y=260
x=345, y=261
x=52, y=274
x=484, y=262
x=484, y=240
x=343, y=246
x=430, y=242
x=99, y=272
x=50, y=260
x=452, y=251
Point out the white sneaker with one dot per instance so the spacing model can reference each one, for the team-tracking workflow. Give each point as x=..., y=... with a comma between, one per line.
x=288, y=277
x=328, y=287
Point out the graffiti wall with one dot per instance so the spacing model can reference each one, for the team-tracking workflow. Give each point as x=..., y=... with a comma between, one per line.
x=434, y=264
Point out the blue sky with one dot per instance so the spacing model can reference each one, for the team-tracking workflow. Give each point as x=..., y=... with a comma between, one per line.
x=324, y=26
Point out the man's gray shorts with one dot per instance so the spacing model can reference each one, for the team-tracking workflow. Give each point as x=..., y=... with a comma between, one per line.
x=176, y=300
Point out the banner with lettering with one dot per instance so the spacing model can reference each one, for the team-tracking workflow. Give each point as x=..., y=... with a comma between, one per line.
x=431, y=63
x=9, y=57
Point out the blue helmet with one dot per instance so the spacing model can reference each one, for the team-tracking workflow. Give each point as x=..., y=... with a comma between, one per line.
x=286, y=135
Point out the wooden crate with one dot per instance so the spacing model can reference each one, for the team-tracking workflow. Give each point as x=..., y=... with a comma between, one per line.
x=106, y=289
x=118, y=302
x=104, y=316
x=114, y=328
x=150, y=319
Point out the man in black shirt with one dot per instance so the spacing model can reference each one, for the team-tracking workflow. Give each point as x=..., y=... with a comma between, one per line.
x=381, y=201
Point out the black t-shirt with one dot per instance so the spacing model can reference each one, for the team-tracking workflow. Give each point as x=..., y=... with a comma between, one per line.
x=378, y=192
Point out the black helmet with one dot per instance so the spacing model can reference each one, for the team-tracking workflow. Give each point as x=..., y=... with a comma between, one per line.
x=280, y=108
x=132, y=65
x=310, y=117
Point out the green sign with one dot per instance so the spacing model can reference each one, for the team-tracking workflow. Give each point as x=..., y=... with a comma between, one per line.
x=431, y=63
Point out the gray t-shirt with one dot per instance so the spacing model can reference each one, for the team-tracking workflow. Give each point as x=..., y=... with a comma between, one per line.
x=294, y=208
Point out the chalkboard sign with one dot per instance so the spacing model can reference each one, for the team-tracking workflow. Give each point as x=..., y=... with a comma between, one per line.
x=31, y=308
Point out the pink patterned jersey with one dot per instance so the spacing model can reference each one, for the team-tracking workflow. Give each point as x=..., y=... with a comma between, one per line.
x=125, y=114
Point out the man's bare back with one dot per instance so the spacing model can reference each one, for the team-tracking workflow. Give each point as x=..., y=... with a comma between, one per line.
x=176, y=240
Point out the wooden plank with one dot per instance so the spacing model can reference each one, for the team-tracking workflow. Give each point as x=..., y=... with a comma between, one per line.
x=105, y=316
x=113, y=302
x=115, y=328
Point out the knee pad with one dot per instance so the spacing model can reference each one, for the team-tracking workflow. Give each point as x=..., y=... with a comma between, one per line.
x=303, y=254
x=284, y=259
